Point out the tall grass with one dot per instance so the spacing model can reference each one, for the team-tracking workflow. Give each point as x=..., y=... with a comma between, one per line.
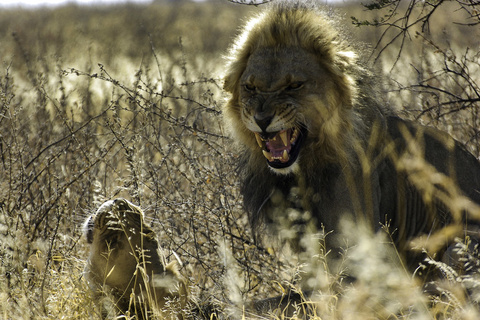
x=97, y=103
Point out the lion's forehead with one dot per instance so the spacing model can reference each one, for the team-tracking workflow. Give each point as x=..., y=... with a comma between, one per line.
x=117, y=211
x=105, y=207
x=93, y=219
x=268, y=68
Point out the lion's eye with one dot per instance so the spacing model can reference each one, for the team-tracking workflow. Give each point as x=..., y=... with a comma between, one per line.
x=250, y=87
x=295, y=85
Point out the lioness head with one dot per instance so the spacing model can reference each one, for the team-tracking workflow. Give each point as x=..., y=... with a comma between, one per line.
x=117, y=235
x=123, y=256
x=291, y=88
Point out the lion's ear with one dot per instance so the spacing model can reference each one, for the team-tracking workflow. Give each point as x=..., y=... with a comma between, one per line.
x=229, y=83
x=234, y=72
x=232, y=78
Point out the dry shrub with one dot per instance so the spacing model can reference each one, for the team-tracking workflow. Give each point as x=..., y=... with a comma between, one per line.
x=94, y=106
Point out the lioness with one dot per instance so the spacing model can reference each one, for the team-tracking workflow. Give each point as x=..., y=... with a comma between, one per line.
x=124, y=257
x=320, y=143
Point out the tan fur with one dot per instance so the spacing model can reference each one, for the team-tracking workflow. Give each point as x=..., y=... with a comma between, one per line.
x=124, y=258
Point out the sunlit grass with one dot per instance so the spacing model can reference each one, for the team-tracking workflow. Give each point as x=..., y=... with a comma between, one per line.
x=101, y=103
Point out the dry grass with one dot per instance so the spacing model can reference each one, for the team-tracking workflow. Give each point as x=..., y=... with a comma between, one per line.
x=95, y=105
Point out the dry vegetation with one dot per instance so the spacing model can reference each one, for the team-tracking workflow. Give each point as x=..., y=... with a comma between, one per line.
x=97, y=103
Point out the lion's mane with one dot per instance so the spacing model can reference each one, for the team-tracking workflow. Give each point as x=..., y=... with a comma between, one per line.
x=305, y=27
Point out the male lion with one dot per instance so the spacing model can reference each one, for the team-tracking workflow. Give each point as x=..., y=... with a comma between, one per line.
x=319, y=143
x=124, y=257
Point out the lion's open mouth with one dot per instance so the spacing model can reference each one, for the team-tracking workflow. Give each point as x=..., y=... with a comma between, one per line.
x=281, y=148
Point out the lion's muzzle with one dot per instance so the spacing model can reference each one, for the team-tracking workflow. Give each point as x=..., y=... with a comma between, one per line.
x=281, y=149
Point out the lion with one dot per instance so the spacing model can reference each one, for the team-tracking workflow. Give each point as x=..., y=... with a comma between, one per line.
x=318, y=143
x=125, y=261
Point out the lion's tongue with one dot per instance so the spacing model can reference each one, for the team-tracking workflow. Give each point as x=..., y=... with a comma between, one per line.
x=276, y=147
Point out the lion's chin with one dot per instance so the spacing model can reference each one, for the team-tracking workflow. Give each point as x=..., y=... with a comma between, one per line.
x=292, y=169
x=281, y=149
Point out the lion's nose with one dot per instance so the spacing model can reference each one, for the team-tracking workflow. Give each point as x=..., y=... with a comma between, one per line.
x=263, y=121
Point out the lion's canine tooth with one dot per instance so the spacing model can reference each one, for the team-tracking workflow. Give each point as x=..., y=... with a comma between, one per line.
x=259, y=140
x=294, y=135
x=283, y=136
x=285, y=155
x=267, y=155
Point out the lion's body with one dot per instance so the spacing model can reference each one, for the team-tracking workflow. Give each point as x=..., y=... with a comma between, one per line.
x=124, y=257
x=318, y=144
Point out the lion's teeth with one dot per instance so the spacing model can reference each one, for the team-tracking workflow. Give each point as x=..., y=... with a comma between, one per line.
x=259, y=140
x=283, y=136
x=285, y=155
x=267, y=155
x=294, y=135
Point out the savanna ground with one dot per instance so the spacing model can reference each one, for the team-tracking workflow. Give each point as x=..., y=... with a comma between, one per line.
x=98, y=103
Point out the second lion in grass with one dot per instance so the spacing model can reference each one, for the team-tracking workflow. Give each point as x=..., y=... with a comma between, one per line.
x=124, y=261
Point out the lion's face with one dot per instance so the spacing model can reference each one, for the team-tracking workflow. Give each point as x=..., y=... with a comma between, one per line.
x=283, y=95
